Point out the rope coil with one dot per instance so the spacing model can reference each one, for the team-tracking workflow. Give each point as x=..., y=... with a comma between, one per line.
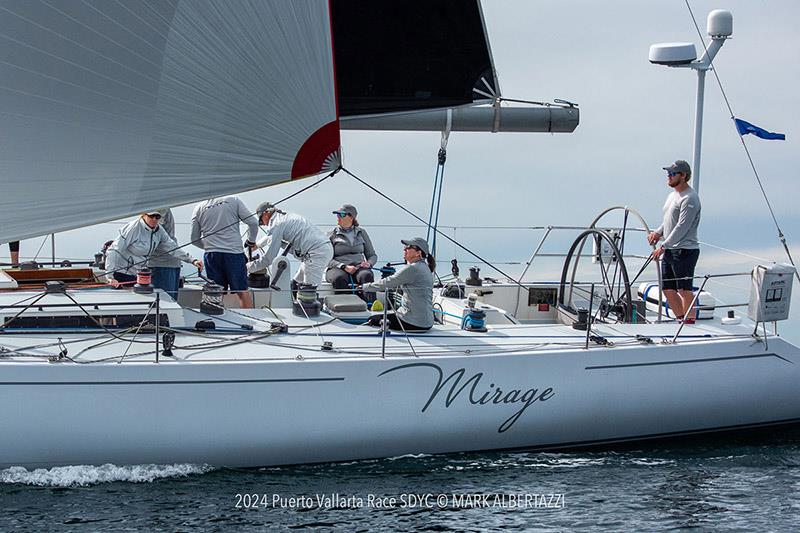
x=211, y=301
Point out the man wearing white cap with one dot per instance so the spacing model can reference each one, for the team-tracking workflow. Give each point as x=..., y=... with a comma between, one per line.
x=306, y=242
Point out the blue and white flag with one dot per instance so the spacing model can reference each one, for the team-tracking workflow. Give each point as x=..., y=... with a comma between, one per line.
x=745, y=127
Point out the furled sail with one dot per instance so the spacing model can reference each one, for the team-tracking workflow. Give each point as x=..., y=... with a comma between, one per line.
x=417, y=54
x=112, y=107
x=400, y=64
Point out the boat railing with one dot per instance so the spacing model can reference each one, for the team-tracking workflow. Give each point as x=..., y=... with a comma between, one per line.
x=547, y=234
x=588, y=289
x=452, y=229
x=153, y=308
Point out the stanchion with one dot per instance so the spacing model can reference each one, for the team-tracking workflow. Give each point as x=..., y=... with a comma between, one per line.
x=384, y=325
x=158, y=322
x=589, y=317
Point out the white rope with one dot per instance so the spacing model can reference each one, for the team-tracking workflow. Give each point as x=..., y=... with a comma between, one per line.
x=737, y=253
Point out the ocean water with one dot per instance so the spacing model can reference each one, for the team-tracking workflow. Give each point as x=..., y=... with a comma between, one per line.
x=728, y=483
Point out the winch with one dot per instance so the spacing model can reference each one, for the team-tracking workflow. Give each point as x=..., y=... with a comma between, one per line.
x=474, y=317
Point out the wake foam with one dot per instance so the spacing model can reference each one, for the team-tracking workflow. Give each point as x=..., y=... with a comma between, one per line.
x=85, y=475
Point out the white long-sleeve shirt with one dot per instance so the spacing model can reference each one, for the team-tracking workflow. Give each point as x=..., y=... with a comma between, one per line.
x=290, y=230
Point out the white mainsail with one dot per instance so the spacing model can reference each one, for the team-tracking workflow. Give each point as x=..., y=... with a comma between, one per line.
x=111, y=108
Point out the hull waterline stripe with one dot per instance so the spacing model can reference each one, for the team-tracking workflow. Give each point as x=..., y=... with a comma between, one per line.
x=683, y=361
x=773, y=424
x=176, y=382
x=656, y=436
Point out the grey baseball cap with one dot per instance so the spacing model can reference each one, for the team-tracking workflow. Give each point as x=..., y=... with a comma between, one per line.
x=263, y=207
x=349, y=209
x=679, y=166
x=418, y=242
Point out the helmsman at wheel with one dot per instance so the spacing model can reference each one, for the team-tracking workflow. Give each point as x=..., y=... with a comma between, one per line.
x=307, y=242
x=680, y=248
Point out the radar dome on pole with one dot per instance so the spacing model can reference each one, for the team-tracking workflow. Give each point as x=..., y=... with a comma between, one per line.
x=720, y=24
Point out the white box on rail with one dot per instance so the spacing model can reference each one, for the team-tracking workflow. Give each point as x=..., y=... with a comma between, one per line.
x=770, y=292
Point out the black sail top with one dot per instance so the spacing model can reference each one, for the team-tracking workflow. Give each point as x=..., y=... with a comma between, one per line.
x=395, y=56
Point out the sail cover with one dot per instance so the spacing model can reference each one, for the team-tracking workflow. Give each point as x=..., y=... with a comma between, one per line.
x=412, y=55
x=113, y=107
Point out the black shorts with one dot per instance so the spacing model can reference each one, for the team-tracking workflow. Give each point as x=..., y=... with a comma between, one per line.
x=14, y=246
x=677, y=269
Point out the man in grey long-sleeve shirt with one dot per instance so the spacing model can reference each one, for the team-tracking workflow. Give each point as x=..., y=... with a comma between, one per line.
x=680, y=248
x=215, y=229
x=166, y=268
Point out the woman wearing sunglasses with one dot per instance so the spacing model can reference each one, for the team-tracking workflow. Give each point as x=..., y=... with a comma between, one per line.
x=137, y=242
x=353, y=254
x=416, y=281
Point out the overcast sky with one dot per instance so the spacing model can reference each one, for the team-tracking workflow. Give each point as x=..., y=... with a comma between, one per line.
x=635, y=118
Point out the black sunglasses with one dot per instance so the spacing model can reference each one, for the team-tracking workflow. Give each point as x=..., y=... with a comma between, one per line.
x=156, y=216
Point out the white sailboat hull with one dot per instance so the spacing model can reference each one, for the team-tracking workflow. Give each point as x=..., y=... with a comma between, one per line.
x=258, y=413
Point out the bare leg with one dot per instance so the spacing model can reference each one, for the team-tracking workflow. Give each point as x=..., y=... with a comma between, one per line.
x=245, y=299
x=687, y=297
x=675, y=302
x=13, y=246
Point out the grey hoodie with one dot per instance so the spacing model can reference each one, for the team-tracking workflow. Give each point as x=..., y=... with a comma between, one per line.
x=215, y=225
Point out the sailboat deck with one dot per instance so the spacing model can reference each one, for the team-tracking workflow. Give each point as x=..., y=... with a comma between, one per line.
x=278, y=334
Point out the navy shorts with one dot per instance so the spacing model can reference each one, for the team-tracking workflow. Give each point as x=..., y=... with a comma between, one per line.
x=229, y=270
x=167, y=278
x=677, y=268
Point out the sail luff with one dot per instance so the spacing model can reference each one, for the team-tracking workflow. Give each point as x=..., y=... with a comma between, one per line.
x=496, y=81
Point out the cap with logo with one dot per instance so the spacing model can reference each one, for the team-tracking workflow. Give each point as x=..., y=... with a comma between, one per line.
x=418, y=242
x=679, y=166
x=347, y=209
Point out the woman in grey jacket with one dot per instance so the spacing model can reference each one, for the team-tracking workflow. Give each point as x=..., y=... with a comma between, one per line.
x=136, y=244
x=416, y=281
x=353, y=254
